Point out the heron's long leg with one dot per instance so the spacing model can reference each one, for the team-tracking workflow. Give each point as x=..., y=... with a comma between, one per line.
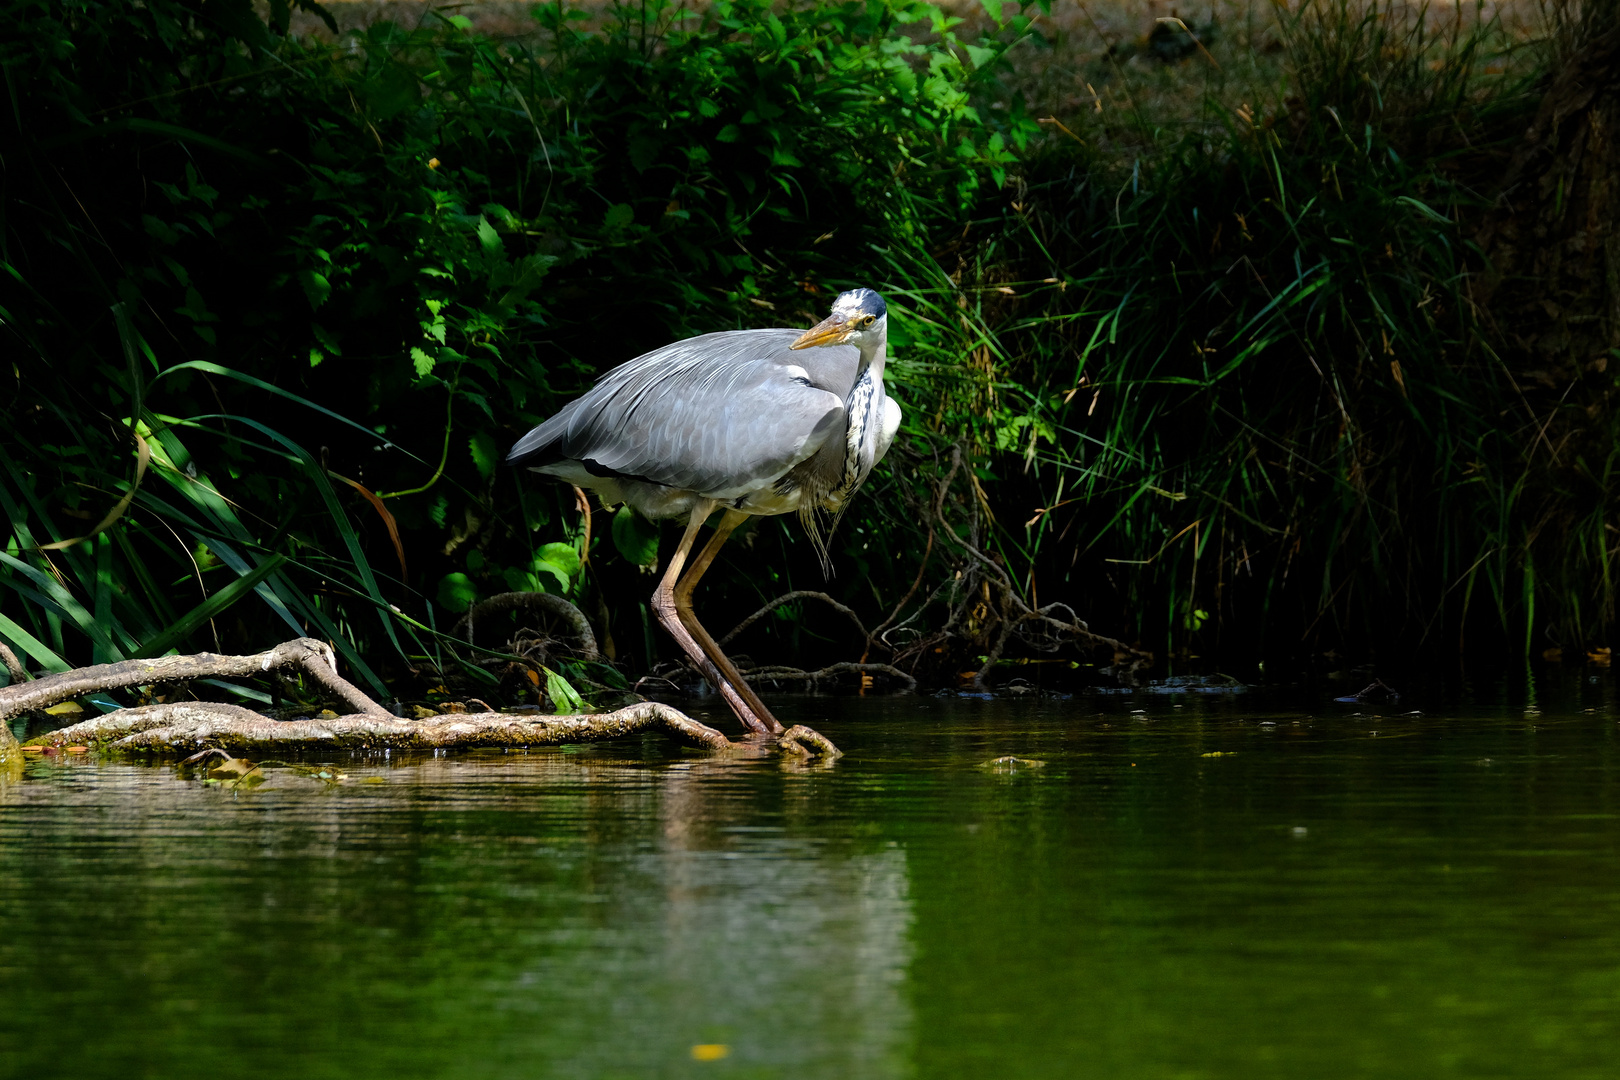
x=683, y=604
x=669, y=615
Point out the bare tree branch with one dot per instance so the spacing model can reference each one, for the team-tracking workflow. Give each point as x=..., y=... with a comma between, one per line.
x=189, y=726
x=787, y=598
x=312, y=657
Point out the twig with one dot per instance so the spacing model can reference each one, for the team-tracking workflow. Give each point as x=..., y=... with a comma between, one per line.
x=799, y=674
x=787, y=598
x=876, y=635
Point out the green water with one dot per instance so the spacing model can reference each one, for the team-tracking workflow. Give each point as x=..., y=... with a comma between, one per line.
x=1441, y=898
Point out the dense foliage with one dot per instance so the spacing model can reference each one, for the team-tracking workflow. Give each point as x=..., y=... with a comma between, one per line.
x=280, y=305
x=282, y=264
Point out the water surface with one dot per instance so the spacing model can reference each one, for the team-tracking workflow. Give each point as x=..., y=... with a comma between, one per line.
x=1208, y=891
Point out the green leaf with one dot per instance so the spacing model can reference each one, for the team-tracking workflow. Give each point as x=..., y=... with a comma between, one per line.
x=530, y=272
x=485, y=454
x=316, y=287
x=563, y=557
x=422, y=362
x=31, y=645
x=159, y=230
x=644, y=151
x=562, y=693
x=635, y=537
x=488, y=238
x=211, y=608
x=992, y=8
x=457, y=592
x=328, y=342
x=618, y=216
x=1425, y=209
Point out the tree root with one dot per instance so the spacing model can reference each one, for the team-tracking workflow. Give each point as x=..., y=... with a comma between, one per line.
x=189, y=726
x=544, y=603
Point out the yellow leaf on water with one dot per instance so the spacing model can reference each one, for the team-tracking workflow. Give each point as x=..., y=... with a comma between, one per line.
x=710, y=1051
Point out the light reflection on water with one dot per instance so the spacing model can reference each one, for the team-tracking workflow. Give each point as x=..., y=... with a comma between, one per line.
x=583, y=914
x=1332, y=895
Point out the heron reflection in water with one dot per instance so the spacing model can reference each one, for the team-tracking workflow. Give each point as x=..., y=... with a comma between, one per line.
x=746, y=422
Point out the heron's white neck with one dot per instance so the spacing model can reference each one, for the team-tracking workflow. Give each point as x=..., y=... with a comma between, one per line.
x=873, y=357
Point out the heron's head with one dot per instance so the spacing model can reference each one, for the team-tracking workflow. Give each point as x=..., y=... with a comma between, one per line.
x=859, y=317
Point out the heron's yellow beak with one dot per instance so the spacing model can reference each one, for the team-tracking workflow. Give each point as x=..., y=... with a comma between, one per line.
x=830, y=331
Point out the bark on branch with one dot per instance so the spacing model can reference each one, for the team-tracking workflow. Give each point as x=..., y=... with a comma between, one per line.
x=191, y=726
x=312, y=657
x=14, y=666
x=197, y=725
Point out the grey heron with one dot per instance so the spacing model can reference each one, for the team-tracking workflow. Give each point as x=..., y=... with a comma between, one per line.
x=750, y=422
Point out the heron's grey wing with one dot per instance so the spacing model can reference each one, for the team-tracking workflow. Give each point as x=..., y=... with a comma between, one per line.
x=722, y=414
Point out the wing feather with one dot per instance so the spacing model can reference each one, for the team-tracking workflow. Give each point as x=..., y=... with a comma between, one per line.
x=722, y=414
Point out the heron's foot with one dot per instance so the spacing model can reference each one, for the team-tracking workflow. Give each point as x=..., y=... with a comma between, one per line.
x=807, y=744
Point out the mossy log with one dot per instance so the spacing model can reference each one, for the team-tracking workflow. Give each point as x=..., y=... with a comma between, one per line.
x=188, y=726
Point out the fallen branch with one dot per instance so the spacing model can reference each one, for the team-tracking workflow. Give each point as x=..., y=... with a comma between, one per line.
x=184, y=727
x=312, y=657
x=188, y=726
